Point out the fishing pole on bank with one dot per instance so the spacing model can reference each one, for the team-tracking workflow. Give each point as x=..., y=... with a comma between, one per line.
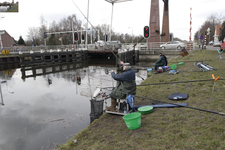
x=173, y=82
x=95, y=30
x=220, y=113
x=200, y=109
x=191, y=61
x=180, y=82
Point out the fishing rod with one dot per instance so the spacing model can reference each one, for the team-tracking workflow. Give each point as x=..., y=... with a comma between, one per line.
x=200, y=109
x=173, y=82
x=190, y=71
x=142, y=68
x=191, y=61
x=182, y=61
x=220, y=113
x=140, y=77
x=95, y=30
x=180, y=82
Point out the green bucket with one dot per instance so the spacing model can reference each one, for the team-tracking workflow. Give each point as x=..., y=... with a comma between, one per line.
x=133, y=120
x=174, y=66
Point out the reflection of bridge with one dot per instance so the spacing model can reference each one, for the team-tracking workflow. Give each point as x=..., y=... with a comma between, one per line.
x=42, y=58
x=49, y=69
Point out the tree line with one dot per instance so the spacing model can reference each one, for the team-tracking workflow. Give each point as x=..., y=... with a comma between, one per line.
x=36, y=34
x=211, y=22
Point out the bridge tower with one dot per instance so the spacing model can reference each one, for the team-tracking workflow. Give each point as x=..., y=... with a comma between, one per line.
x=154, y=22
x=165, y=35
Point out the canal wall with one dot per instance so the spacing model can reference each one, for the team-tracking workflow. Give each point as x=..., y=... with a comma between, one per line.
x=128, y=56
x=9, y=59
x=131, y=56
x=154, y=55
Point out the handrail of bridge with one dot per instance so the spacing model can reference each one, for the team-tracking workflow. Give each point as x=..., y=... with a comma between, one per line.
x=58, y=48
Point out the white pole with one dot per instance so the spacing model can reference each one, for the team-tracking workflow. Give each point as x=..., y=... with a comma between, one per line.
x=72, y=30
x=1, y=93
x=87, y=24
x=1, y=42
x=98, y=36
x=91, y=35
x=132, y=34
x=111, y=23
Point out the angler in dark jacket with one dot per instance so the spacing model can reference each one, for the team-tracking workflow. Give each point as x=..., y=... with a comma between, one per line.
x=126, y=85
x=161, y=62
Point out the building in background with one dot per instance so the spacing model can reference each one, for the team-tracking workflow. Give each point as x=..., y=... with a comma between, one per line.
x=6, y=41
x=217, y=33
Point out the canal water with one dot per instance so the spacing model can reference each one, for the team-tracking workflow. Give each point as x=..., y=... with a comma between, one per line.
x=3, y=8
x=45, y=110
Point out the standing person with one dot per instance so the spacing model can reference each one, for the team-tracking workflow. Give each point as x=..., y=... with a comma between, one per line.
x=126, y=85
x=161, y=62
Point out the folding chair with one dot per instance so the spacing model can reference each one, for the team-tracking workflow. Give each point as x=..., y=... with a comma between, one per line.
x=220, y=54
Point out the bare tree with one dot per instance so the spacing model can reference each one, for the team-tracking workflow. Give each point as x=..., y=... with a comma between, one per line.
x=36, y=34
x=211, y=22
x=216, y=19
x=42, y=29
x=33, y=36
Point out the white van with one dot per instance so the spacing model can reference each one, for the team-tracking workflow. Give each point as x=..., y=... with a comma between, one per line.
x=99, y=43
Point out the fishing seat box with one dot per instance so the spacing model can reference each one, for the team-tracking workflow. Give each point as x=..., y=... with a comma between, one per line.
x=160, y=69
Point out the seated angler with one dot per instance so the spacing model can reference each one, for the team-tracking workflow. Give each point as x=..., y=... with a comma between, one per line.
x=161, y=62
x=126, y=85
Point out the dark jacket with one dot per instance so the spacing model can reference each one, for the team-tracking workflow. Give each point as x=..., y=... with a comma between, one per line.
x=162, y=61
x=126, y=84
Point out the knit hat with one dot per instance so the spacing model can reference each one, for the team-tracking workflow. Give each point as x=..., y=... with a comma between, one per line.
x=126, y=64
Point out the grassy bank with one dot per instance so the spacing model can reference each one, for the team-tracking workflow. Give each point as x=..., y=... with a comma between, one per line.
x=167, y=128
x=13, y=9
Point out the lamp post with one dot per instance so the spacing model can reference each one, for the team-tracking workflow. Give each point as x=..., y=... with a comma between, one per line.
x=1, y=32
x=112, y=2
x=72, y=30
x=86, y=42
x=132, y=34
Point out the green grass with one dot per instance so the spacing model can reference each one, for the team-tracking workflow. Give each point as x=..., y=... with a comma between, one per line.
x=14, y=8
x=167, y=128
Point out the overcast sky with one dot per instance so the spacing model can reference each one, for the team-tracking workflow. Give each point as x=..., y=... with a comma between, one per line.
x=134, y=14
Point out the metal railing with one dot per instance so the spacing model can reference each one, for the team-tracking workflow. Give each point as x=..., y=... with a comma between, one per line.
x=57, y=48
x=41, y=49
x=156, y=46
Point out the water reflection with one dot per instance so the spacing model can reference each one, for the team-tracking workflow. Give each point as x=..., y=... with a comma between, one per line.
x=49, y=106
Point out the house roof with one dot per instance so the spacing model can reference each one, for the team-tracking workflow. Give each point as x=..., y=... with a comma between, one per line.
x=6, y=39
